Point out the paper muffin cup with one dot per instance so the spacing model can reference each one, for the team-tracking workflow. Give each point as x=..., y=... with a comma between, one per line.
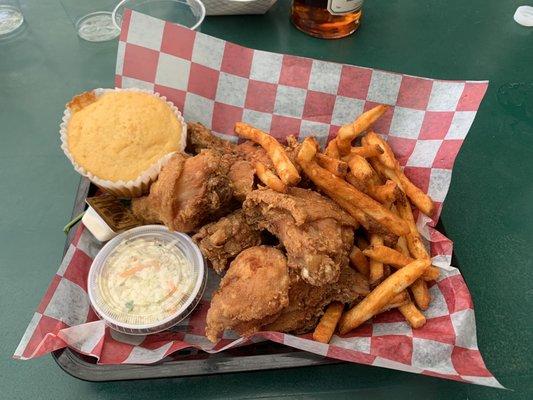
x=132, y=188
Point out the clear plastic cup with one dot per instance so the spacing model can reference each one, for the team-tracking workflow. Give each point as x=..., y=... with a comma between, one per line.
x=189, y=13
x=158, y=315
x=11, y=18
x=92, y=19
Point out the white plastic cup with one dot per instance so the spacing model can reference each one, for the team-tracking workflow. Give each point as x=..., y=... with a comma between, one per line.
x=123, y=322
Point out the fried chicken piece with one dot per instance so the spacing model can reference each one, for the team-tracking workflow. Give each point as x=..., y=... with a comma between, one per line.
x=224, y=239
x=254, y=289
x=241, y=174
x=316, y=233
x=189, y=190
x=200, y=138
x=307, y=302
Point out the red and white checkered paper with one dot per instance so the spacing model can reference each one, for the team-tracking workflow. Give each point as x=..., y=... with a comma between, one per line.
x=218, y=83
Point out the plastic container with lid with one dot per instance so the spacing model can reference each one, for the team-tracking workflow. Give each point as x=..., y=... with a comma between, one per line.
x=146, y=280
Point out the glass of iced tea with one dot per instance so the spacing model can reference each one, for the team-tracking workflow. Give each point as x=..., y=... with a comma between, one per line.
x=327, y=19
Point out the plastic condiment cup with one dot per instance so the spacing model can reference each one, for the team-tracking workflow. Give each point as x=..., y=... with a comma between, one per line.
x=138, y=324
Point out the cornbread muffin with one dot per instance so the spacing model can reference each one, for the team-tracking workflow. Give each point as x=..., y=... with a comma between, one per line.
x=120, y=134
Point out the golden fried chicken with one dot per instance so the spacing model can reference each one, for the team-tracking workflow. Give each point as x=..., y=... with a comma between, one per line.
x=242, y=175
x=200, y=138
x=224, y=239
x=253, y=291
x=316, y=233
x=189, y=190
x=307, y=302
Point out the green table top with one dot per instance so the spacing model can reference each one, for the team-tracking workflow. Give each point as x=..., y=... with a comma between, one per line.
x=487, y=213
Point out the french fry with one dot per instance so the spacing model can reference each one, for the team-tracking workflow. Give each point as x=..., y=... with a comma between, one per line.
x=269, y=178
x=359, y=261
x=420, y=292
x=333, y=184
x=375, y=267
x=399, y=300
x=413, y=315
x=363, y=219
x=332, y=150
x=326, y=327
x=401, y=246
x=347, y=133
x=333, y=165
x=386, y=193
x=421, y=200
x=387, y=157
x=364, y=151
x=283, y=165
x=382, y=295
x=416, y=248
x=432, y=274
x=414, y=242
x=360, y=168
x=396, y=259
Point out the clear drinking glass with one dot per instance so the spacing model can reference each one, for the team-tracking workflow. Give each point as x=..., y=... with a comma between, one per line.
x=92, y=18
x=11, y=17
x=189, y=13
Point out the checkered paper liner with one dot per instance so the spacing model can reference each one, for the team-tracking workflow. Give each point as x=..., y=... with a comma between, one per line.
x=218, y=83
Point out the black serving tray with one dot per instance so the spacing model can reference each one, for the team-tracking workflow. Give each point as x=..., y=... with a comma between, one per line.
x=190, y=362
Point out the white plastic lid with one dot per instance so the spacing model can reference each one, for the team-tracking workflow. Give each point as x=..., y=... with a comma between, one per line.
x=174, y=309
x=524, y=15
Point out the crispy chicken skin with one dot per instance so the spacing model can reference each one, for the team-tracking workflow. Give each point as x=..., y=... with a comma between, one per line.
x=189, y=190
x=316, y=233
x=307, y=302
x=241, y=175
x=224, y=239
x=200, y=138
x=254, y=290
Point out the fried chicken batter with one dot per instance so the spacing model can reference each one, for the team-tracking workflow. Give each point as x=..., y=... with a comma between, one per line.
x=254, y=289
x=316, y=233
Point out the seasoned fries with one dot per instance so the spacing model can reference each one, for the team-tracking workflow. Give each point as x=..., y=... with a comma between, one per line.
x=360, y=168
x=269, y=178
x=376, y=267
x=367, y=181
x=382, y=295
x=359, y=261
x=326, y=327
x=413, y=315
x=399, y=300
x=414, y=242
x=332, y=150
x=394, y=258
x=420, y=292
x=393, y=171
x=365, y=151
x=333, y=165
x=348, y=133
x=333, y=184
x=283, y=165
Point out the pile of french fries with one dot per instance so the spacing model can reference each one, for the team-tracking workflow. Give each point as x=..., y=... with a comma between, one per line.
x=367, y=181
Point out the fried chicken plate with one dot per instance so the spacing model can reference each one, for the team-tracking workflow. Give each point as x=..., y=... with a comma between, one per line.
x=316, y=233
x=253, y=291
